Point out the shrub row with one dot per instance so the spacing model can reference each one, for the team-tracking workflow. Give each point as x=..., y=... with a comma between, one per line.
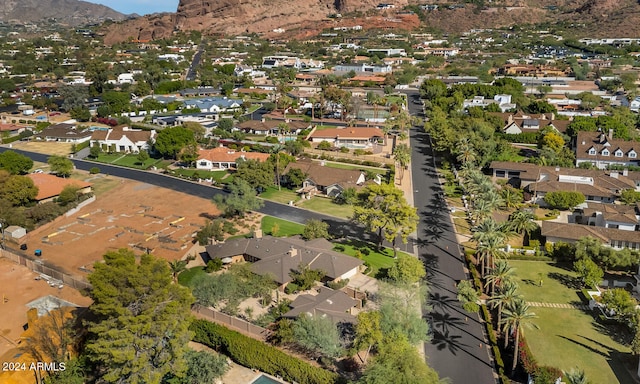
x=258, y=355
x=524, y=138
x=541, y=374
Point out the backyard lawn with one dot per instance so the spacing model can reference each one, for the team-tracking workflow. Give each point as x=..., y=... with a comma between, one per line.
x=286, y=228
x=558, y=284
x=129, y=160
x=185, y=277
x=569, y=338
x=379, y=261
x=326, y=206
x=283, y=196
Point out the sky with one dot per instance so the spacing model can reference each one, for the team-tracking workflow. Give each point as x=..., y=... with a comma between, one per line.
x=141, y=7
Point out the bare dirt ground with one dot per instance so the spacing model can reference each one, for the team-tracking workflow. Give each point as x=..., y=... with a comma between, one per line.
x=19, y=287
x=132, y=215
x=48, y=147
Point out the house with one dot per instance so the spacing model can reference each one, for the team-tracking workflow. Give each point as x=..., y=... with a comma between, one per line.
x=622, y=217
x=516, y=123
x=363, y=68
x=50, y=186
x=503, y=101
x=325, y=302
x=63, y=133
x=213, y=104
x=555, y=232
x=271, y=127
x=603, y=150
x=123, y=139
x=126, y=78
x=326, y=180
x=537, y=181
x=352, y=137
x=277, y=257
x=225, y=158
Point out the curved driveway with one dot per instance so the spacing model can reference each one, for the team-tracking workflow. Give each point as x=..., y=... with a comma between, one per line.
x=458, y=349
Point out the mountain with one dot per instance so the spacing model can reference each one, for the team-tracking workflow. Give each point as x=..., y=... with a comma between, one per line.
x=71, y=12
x=595, y=18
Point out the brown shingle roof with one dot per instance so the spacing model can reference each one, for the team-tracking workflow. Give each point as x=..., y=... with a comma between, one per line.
x=330, y=303
x=600, y=141
x=612, y=212
x=325, y=176
x=574, y=232
x=63, y=131
x=116, y=133
x=50, y=186
x=273, y=257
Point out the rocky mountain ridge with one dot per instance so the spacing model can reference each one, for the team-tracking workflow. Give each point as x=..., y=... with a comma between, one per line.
x=71, y=12
x=231, y=17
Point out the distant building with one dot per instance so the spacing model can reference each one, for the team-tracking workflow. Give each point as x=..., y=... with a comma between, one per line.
x=603, y=150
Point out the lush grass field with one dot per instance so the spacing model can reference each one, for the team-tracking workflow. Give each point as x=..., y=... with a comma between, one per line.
x=185, y=277
x=378, y=260
x=218, y=176
x=326, y=206
x=283, y=196
x=129, y=160
x=286, y=228
x=569, y=338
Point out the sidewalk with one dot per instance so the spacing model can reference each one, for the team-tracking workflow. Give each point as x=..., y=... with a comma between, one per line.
x=406, y=184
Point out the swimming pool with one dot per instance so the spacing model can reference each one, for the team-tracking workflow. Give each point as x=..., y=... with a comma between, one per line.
x=264, y=379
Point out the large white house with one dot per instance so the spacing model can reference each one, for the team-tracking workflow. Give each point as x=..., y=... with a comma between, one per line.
x=123, y=139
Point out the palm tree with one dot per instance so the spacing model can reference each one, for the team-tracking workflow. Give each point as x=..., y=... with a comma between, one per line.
x=510, y=196
x=176, y=267
x=522, y=221
x=481, y=211
x=487, y=228
x=508, y=293
x=498, y=275
x=516, y=315
x=402, y=155
x=492, y=198
x=488, y=251
x=575, y=376
x=466, y=152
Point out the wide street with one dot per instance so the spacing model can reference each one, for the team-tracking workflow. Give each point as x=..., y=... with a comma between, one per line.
x=458, y=349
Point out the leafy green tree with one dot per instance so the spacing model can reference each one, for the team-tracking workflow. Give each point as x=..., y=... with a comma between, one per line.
x=621, y=302
x=142, y=157
x=383, y=209
x=18, y=190
x=203, y=367
x=511, y=196
x=176, y=267
x=81, y=114
x=241, y=199
x=630, y=196
x=139, y=327
x=212, y=230
x=15, y=163
x=590, y=273
x=407, y=270
x=318, y=334
x=259, y=174
x=74, y=96
x=431, y=89
x=295, y=177
x=324, y=145
x=399, y=307
x=400, y=360
x=305, y=277
x=74, y=373
x=315, y=229
x=581, y=124
x=69, y=194
x=225, y=124
x=564, y=199
x=368, y=333
x=170, y=141
x=117, y=102
x=348, y=196
x=95, y=151
x=60, y=165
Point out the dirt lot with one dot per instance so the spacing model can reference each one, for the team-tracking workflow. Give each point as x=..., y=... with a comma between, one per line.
x=132, y=215
x=19, y=287
x=47, y=147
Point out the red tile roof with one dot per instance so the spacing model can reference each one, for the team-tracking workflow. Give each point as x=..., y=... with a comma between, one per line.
x=224, y=154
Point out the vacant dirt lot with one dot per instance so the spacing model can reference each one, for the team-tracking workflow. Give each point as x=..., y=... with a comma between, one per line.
x=19, y=287
x=47, y=147
x=132, y=215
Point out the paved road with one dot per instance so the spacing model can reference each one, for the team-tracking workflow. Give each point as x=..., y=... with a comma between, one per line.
x=458, y=349
x=338, y=227
x=193, y=68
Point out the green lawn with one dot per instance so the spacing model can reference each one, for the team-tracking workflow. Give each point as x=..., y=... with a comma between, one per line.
x=131, y=161
x=326, y=206
x=185, y=277
x=286, y=228
x=283, y=196
x=462, y=225
x=558, y=284
x=379, y=261
x=215, y=175
x=569, y=338
x=331, y=164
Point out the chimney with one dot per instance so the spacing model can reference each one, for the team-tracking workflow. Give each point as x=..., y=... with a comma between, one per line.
x=614, y=174
x=625, y=172
x=257, y=234
x=610, y=134
x=510, y=119
x=293, y=252
x=583, y=142
x=553, y=116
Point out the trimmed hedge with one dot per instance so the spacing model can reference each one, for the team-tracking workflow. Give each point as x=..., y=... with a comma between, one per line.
x=258, y=355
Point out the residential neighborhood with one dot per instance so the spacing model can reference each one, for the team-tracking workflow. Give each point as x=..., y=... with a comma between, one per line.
x=368, y=197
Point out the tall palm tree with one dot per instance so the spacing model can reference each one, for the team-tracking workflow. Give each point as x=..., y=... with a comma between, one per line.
x=487, y=228
x=466, y=152
x=575, y=376
x=481, y=210
x=498, y=275
x=492, y=198
x=176, y=267
x=522, y=221
x=488, y=251
x=402, y=155
x=508, y=293
x=510, y=196
x=516, y=315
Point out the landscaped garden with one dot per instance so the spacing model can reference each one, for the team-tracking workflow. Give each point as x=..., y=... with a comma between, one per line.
x=567, y=338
